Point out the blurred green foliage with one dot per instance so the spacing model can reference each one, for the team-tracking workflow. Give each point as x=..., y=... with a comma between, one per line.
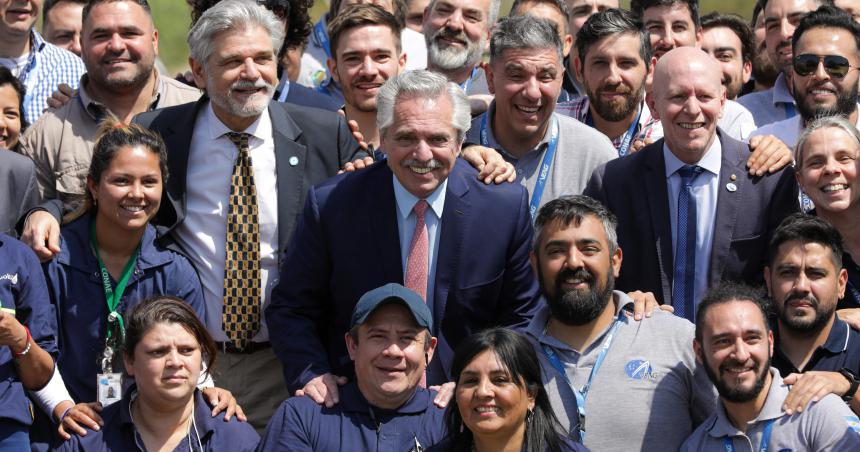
x=173, y=16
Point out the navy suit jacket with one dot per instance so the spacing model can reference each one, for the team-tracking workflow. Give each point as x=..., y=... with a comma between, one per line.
x=347, y=243
x=307, y=97
x=319, y=140
x=635, y=189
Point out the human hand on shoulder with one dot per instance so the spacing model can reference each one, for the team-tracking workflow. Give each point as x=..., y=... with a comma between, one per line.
x=769, y=155
x=812, y=386
x=491, y=166
x=323, y=389
x=41, y=232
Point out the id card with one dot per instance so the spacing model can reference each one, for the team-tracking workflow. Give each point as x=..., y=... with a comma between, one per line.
x=110, y=388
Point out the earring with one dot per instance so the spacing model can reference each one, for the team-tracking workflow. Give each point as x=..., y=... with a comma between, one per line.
x=529, y=416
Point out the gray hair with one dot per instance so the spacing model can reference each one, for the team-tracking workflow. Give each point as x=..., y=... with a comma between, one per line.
x=524, y=32
x=573, y=209
x=425, y=85
x=231, y=15
x=492, y=14
x=839, y=122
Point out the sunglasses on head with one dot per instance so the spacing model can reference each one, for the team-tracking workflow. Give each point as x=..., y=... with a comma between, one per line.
x=836, y=66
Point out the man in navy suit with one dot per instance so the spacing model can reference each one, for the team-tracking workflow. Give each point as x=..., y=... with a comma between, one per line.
x=420, y=219
x=689, y=213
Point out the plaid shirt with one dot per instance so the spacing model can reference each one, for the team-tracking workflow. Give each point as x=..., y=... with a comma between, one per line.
x=47, y=67
x=649, y=128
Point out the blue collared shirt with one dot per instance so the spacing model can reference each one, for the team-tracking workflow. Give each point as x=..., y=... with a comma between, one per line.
x=840, y=351
x=705, y=190
x=120, y=434
x=77, y=294
x=406, y=220
x=47, y=67
x=22, y=288
x=300, y=424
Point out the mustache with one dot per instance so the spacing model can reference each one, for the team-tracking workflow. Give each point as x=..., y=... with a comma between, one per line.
x=732, y=363
x=796, y=296
x=247, y=84
x=579, y=273
x=447, y=33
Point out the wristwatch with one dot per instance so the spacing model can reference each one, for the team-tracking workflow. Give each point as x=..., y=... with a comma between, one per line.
x=852, y=379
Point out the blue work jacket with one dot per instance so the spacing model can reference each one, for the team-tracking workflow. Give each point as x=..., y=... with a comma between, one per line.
x=77, y=293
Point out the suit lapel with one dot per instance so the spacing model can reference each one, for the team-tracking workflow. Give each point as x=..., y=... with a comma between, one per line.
x=290, y=165
x=655, y=183
x=381, y=210
x=728, y=204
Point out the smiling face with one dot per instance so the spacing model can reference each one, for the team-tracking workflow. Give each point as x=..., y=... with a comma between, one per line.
x=366, y=57
x=725, y=46
x=128, y=193
x=819, y=93
x=119, y=46
x=166, y=364
x=63, y=26
x=491, y=403
x=457, y=32
x=735, y=350
x=805, y=285
x=391, y=354
x=670, y=26
x=526, y=83
x=828, y=169
x=781, y=17
x=17, y=17
x=10, y=117
x=614, y=76
x=688, y=100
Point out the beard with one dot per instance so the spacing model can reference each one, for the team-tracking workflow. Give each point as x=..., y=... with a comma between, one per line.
x=736, y=394
x=764, y=71
x=615, y=111
x=451, y=58
x=253, y=106
x=578, y=307
x=804, y=325
x=143, y=70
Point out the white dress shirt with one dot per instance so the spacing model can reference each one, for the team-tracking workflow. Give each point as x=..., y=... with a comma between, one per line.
x=203, y=233
x=705, y=191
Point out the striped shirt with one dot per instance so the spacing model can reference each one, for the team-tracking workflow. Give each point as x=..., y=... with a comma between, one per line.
x=648, y=128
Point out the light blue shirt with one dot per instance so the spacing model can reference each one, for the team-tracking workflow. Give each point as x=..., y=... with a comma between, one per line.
x=705, y=190
x=406, y=220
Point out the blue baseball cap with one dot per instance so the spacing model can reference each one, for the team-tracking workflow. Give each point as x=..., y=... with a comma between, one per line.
x=392, y=293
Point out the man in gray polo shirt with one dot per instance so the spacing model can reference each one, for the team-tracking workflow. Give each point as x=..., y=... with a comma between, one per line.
x=554, y=155
x=735, y=344
x=638, y=382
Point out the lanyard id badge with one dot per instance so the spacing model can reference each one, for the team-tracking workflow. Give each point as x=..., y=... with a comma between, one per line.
x=109, y=388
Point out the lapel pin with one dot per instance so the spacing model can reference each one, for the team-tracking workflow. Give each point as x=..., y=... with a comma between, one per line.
x=731, y=187
x=733, y=177
x=294, y=161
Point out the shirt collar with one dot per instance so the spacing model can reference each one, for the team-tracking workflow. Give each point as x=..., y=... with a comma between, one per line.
x=837, y=340
x=204, y=422
x=406, y=201
x=37, y=41
x=97, y=110
x=491, y=138
x=711, y=161
x=537, y=327
x=781, y=94
x=77, y=251
x=772, y=409
x=352, y=400
x=260, y=129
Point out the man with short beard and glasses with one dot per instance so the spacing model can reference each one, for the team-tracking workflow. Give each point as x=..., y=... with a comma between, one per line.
x=240, y=167
x=814, y=350
x=620, y=384
x=120, y=44
x=824, y=75
x=734, y=343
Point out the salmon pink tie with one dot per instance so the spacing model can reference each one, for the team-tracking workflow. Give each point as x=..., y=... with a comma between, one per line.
x=417, y=261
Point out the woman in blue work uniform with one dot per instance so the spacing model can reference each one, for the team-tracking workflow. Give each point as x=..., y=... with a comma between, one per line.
x=27, y=340
x=164, y=353
x=108, y=263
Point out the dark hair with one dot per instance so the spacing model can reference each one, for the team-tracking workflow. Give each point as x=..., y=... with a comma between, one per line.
x=6, y=78
x=518, y=357
x=827, y=16
x=727, y=292
x=612, y=22
x=737, y=25
x=91, y=3
x=166, y=309
x=560, y=5
x=354, y=16
x=639, y=6
x=399, y=12
x=757, y=9
x=573, y=209
x=803, y=228
x=819, y=2
x=50, y=4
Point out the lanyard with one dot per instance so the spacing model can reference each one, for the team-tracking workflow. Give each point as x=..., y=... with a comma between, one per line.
x=582, y=394
x=322, y=38
x=112, y=296
x=762, y=446
x=627, y=138
x=465, y=85
x=284, y=89
x=545, y=165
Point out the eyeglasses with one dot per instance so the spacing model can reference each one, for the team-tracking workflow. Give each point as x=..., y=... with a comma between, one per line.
x=836, y=66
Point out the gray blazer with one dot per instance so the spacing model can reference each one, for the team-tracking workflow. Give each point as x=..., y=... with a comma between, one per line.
x=634, y=189
x=18, y=189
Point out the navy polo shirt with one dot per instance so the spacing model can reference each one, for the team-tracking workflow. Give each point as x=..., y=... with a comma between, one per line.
x=852, y=291
x=120, y=434
x=77, y=293
x=300, y=424
x=22, y=288
x=840, y=350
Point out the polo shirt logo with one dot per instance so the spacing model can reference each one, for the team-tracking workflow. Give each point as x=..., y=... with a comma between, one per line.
x=853, y=423
x=13, y=278
x=639, y=369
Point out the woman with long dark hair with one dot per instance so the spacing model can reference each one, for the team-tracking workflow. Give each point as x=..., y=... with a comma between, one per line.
x=500, y=404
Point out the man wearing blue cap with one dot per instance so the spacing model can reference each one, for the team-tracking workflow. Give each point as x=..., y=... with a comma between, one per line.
x=385, y=407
